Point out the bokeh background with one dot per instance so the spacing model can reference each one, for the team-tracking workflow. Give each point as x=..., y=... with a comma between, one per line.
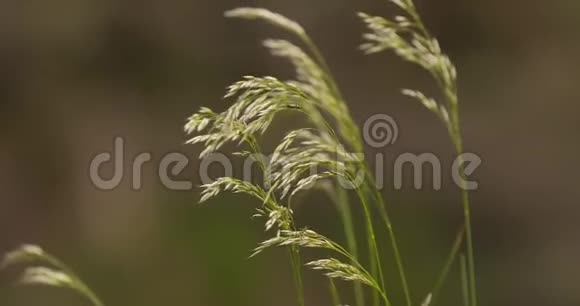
x=77, y=73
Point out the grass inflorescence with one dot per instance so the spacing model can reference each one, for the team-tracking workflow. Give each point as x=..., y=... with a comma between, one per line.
x=42, y=268
x=324, y=145
x=334, y=133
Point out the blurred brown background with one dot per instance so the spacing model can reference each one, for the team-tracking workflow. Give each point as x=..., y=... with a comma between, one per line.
x=75, y=74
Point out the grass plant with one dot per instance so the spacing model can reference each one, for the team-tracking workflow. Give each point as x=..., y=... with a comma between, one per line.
x=326, y=144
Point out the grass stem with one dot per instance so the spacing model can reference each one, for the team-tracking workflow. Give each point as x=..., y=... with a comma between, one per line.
x=448, y=264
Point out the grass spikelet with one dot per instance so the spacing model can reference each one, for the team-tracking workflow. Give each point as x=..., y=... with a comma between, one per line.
x=233, y=185
x=23, y=255
x=258, y=101
x=54, y=274
x=334, y=268
x=304, y=238
x=427, y=300
x=266, y=15
x=46, y=276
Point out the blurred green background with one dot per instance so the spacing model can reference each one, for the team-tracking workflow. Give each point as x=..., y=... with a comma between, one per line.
x=77, y=73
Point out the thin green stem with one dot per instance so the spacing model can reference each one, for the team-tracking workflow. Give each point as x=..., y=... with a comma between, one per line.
x=343, y=206
x=469, y=239
x=448, y=263
x=457, y=140
x=341, y=200
x=294, y=252
x=464, y=280
x=397, y=253
x=92, y=296
x=297, y=273
x=353, y=139
x=374, y=270
x=334, y=293
x=338, y=248
x=382, y=208
x=374, y=255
